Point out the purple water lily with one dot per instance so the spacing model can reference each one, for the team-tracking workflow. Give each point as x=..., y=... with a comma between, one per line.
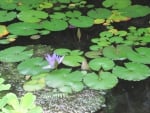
x=53, y=61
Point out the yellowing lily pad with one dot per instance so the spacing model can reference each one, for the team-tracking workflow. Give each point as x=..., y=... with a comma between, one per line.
x=3, y=31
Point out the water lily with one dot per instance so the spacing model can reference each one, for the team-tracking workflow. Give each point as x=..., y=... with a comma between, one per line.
x=53, y=61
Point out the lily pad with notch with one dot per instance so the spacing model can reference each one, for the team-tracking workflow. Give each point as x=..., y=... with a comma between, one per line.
x=104, y=81
x=33, y=66
x=32, y=16
x=116, y=4
x=65, y=80
x=101, y=63
x=24, y=29
x=101, y=13
x=55, y=25
x=6, y=16
x=135, y=11
x=117, y=53
x=15, y=54
x=140, y=55
x=132, y=71
x=82, y=22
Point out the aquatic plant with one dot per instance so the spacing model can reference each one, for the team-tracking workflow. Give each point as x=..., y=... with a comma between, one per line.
x=53, y=61
x=11, y=104
x=15, y=54
x=3, y=86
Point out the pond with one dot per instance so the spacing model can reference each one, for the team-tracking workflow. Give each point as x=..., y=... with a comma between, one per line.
x=75, y=56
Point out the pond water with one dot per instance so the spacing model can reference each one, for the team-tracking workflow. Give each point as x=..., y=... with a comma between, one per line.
x=126, y=97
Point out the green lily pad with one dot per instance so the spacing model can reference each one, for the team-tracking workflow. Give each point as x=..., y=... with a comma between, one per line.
x=82, y=22
x=55, y=25
x=8, y=4
x=15, y=54
x=98, y=63
x=7, y=16
x=24, y=29
x=103, y=81
x=73, y=14
x=117, y=4
x=135, y=11
x=116, y=53
x=93, y=54
x=33, y=66
x=65, y=81
x=142, y=55
x=101, y=13
x=132, y=71
x=73, y=60
x=32, y=16
x=34, y=85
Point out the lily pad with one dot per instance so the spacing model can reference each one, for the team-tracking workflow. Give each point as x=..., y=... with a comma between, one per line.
x=93, y=54
x=132, y=71
x=73, y=14
x=15, y=54
x=116, y=53
x=58, y=15
x=72, y=58
x=34, y=85
x=24, y=29
x=3, y=31
x=33, y=66
x=135, y=11
x=100, y=13
x=66, y=82
x=7, y=16
x=116, y=4
x=103, y=81
x=101, y=63
x=55, y=25
x=142, y=55
x=32, y=16
x=82, y=22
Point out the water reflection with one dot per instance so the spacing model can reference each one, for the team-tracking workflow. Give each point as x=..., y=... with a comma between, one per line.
x=129, y=97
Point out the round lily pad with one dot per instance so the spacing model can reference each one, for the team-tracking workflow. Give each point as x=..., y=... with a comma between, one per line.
x=132, y=71
x=116, y=53
x=65, y=81
x=135, y=11
x=34, y=85
x=100, y=13
x=58, y=15
x=24, y=29
x=32, y=16
x=73, y=14
x=73, y=60
x=142, y=55
x=117, y=4
x=7, y=16
x=55, y=25
x=32, y=66
x=82, y=22
x=15, y=54
x=98, y=63
x=3, y=31
x=103, y=81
